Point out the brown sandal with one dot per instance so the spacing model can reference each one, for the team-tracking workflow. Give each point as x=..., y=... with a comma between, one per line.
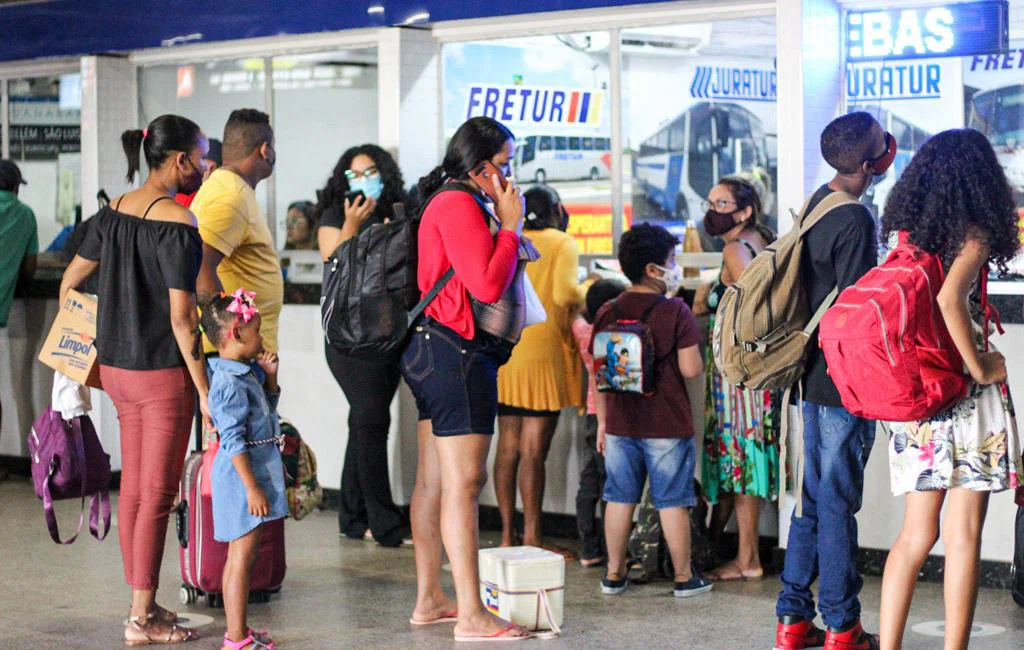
x=141, y=625
x=161, y=614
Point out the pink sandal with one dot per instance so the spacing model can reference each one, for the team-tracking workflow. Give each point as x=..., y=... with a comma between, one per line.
x=258, y=641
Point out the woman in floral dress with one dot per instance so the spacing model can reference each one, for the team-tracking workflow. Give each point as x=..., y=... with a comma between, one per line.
x=954, y=201
x=741, y=453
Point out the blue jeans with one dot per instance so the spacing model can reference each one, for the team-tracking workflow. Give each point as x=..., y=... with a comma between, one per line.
x=669, y=463
x=823, y=542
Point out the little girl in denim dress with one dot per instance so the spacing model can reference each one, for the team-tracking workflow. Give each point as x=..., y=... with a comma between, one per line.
x=248, y=475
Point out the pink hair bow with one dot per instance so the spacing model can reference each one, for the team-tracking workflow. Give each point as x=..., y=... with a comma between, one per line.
x=243, y=304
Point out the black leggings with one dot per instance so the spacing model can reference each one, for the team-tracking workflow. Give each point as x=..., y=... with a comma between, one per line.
x=366, y=500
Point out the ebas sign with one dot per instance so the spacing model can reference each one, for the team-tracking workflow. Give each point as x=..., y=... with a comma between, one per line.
x=951, y=30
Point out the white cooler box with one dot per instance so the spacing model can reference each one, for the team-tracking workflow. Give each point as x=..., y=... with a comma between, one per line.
x=524, y=585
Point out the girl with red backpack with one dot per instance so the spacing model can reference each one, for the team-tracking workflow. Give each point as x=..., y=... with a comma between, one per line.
x=953, y=202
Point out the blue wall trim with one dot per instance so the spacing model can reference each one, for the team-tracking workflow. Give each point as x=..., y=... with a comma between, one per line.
x=55, y=28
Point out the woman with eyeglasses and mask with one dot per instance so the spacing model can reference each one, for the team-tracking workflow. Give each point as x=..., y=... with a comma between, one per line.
x=543, y=376
x=741, y=454
x=301, y=227
x=365, y=188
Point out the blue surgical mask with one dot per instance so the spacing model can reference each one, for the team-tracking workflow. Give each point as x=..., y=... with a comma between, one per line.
x=372, y=187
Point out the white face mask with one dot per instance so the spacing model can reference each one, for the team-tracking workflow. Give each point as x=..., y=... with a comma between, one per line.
x=673, y=279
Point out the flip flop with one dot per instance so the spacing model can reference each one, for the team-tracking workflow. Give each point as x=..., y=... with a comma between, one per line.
x=498, y=637
x=447, y=617
x=736, y=577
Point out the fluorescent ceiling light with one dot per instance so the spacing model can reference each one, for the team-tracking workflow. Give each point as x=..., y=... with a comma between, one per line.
x=375, y=9
x=416, y=18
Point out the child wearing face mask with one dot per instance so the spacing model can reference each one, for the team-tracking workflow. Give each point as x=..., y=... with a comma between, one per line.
x=247, y=477
x=650, y=437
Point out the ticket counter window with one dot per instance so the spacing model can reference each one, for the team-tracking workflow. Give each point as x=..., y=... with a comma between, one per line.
x=205, y=92
x=44, y=118
x=698, y=104
x=553, y=93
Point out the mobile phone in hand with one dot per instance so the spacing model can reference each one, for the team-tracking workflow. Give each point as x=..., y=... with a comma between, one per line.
x=482, y=176
x=352, y=197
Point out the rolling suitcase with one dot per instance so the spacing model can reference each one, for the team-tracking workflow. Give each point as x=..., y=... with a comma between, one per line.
x=202, y=558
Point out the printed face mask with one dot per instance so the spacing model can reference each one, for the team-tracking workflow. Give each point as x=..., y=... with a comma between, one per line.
x=718, y=223
x=371, y=186
x=673, y=279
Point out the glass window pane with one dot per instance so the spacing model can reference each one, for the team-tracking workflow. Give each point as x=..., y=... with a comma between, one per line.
x=206, y=93
x=325, y=103
x=555, y=88
x=698, y=104
x=45, y=142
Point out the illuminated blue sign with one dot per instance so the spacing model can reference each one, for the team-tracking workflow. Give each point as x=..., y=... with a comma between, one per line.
x=951, y=30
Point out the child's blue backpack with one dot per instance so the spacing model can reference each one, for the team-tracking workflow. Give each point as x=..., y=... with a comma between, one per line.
x=624, y=356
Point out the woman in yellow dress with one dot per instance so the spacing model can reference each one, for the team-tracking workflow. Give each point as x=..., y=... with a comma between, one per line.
x=544, y=374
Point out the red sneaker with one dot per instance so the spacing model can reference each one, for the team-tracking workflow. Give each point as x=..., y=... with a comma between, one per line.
x=793, y=633
x=853, y=639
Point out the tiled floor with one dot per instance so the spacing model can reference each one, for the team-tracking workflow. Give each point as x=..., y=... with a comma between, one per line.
x=349, y=594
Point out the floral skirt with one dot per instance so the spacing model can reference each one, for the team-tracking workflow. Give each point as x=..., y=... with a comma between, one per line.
x=741, y=428
x=973, y=445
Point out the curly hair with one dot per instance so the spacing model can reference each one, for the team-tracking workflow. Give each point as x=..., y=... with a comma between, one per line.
x=953, y=187
x=333, y=194
x=215, y=319
x=644, y=244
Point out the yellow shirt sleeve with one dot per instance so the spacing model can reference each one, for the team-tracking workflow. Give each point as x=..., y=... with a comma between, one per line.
x=567, y=261
x=222, y=225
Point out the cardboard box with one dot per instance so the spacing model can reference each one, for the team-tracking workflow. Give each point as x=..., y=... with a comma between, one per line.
x=70, y=348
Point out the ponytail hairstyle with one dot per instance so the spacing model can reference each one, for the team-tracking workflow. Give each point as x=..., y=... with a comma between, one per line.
x=164, y=136
x=477, y=140
x=541, y=201
x=746, y=196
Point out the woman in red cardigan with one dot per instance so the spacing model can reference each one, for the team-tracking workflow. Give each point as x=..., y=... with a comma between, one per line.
x=452, y=363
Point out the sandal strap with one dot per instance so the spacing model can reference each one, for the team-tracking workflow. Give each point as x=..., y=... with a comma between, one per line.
x=238, y=645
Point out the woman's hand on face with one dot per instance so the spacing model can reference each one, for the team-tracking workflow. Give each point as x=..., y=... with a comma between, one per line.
x=510, y=206
x=357, y=211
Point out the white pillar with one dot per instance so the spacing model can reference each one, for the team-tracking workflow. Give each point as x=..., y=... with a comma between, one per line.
x=110, y=101
x=408, y=98
x=810, y=73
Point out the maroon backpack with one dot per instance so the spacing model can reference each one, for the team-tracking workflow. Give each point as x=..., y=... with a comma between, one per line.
x=68, y=462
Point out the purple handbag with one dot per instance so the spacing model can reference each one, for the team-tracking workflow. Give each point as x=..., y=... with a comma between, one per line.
x=68, y=462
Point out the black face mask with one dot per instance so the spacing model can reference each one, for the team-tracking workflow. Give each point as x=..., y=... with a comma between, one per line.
x=192, y=183
x=565, y=218
x=718, y=223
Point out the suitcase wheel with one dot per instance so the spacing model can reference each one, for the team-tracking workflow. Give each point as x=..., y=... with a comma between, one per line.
x=187, y=595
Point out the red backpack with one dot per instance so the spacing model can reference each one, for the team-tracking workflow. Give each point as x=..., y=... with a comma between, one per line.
x=886, y=343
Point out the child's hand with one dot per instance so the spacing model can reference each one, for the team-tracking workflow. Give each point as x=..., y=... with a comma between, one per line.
x=268, y=361
x=602, y=439
x=258, y=504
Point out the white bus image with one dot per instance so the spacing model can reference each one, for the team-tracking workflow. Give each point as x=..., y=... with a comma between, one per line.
x=543, y=158
x=999, y=114
x=676, y=167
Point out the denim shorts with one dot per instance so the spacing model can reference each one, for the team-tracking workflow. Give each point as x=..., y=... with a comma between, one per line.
x=455, y=381
x=669, y=462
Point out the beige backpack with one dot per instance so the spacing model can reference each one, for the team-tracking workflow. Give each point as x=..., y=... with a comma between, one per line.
x=763, y=325
x=764, y=320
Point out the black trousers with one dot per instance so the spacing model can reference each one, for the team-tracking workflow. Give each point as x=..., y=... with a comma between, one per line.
x=366, y=500
x=592, y=475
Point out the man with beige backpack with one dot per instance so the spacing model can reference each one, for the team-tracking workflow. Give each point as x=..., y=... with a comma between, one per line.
x=765, y=338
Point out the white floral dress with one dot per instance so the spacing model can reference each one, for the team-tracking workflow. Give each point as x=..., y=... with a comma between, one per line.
x=973, y=445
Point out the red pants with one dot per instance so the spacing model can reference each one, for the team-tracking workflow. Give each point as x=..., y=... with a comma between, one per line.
x=155, y=409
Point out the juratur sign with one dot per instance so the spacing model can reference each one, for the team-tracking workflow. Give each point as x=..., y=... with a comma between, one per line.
x=926, y=32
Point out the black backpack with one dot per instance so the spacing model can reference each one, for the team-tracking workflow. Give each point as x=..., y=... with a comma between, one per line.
x=370, y=296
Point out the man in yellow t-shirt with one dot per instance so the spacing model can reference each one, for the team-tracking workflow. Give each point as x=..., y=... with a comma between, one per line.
x=238, y=249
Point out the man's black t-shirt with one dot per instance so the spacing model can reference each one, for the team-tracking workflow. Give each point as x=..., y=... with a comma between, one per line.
x=837, y=251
